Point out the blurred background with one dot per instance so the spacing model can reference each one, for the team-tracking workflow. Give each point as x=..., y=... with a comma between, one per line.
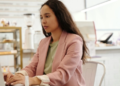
x=98, y=21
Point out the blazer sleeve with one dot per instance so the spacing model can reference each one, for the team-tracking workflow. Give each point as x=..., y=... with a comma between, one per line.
x=68, y=64
x=31, y=68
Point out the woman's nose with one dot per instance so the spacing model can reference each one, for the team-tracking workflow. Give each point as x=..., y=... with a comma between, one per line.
x=43, y=20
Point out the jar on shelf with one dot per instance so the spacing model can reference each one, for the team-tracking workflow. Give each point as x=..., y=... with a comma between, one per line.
x=37, y=38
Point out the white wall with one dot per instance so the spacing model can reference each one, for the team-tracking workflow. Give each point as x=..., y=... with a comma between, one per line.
x=90, y=3
x=78, y=16
x=74, y=5
x=106, y=17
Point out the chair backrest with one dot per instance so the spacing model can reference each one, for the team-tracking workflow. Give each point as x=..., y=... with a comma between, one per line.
x=89, y=72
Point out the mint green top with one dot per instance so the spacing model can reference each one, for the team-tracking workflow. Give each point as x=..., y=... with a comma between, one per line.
x=50, y=57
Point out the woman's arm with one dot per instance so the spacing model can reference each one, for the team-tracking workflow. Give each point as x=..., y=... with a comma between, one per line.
x=30, y=69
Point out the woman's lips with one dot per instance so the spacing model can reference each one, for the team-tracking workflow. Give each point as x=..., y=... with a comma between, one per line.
x=45, y=27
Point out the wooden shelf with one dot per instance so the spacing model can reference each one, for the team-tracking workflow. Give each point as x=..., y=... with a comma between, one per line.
x=17, y=44
x=8, y=29
x=7, y=53
x=7, y=66
x=8, y=42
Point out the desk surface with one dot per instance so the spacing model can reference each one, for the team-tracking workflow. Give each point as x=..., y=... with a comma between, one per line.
x=107, y=48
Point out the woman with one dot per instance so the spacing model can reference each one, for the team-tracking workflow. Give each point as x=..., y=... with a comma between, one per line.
x=60, y=55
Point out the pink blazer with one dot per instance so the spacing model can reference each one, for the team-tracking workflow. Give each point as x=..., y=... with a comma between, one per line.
x=67, y=63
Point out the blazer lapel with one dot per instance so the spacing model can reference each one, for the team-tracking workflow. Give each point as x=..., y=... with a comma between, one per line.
x=59, y=51
x=43, y=54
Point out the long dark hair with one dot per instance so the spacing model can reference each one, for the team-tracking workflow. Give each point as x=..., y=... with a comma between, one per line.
x=65, y=21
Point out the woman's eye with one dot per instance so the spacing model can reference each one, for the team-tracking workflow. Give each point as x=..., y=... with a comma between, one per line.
x=47, y=16
x=41, y=18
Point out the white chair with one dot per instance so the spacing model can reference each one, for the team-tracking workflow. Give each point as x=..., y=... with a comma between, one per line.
x=89, y=72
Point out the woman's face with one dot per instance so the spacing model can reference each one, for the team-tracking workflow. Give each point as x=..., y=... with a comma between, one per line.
x=48, y=19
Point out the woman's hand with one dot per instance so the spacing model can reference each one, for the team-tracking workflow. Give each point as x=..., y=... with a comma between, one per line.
x=7, y=76
x=16, y=79
x=20, y=79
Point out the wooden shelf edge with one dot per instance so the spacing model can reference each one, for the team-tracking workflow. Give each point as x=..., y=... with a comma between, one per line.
x=7, y=53
x=9, y=27
x=8, y=42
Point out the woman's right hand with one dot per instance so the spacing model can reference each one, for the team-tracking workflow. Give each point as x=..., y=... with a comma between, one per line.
x=7, y=76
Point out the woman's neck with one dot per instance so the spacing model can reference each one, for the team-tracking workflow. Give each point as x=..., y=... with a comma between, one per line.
x=56, y=35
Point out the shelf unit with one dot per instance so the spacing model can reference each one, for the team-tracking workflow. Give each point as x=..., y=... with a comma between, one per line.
x=17, y=45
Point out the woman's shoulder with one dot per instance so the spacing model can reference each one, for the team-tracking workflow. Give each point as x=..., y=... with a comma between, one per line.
x=73, y=37
x=44, y=40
